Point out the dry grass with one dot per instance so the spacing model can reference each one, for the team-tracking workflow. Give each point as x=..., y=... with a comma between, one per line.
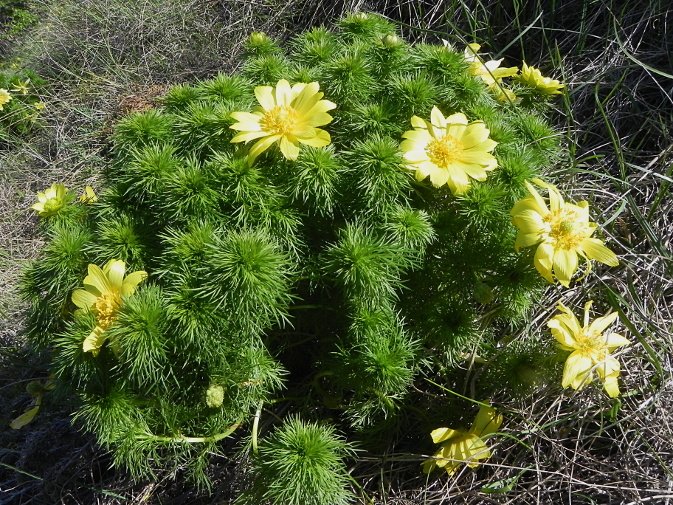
x=103, y=56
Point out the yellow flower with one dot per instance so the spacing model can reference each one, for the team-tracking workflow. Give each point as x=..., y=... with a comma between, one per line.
x=21, y=87
x=488, y=71
x=5, y=97
x=532, y=77
x=39, y=106
x=591, y=350
x=449, y=150
x=563, y=232
x=88, y=196
x=287, y=115
x=51, y=201
x=467, y=447
x=104, y=290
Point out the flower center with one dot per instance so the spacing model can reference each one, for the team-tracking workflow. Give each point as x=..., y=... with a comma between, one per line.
x=593, y=346
x=106, y=307
x=443, y=151
x=566, y=228
x=279, y=120
x=53, y=205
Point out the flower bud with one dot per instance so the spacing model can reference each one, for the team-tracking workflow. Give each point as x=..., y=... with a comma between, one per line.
x=215, y=396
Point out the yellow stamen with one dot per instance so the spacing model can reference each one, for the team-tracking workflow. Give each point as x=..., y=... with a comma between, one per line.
x=280, y=120
x=443, y=151
x=106, y=307
x=566, y=228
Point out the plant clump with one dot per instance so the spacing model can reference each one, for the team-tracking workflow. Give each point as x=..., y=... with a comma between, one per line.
x=329, y=235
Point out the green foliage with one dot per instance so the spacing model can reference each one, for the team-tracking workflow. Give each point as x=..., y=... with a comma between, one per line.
x=301, y=463
x=15, y=17
x=337, y=276
x=22, y=113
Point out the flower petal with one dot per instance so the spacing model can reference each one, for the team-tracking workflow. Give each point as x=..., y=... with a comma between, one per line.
x=615, y=340
x=526, y=240
x=94, y=341
x=457, y=181
x=577, y=366
x=260, y=146
x=437, y=118
x=289, y=149
x=543, y=260
x=600, y=324
x=417, y=122
x=320, y=139
x=594, y=249
x=264, y=95
x=565, y=265
x=131, y=282
x=441, y=434
x=97, y=280
x=488, y=421
x=611, y=386
x=83, y=298
x=115, y=270
x=283, y=93
x=564, y=337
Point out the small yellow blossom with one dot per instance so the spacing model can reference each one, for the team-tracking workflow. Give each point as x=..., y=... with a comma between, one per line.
x=51, y=201
x=562, y=232
x=21, y=87
x=287, y=115
x=88, y=196
x=590, y=349
x=104, y=290
x=467, y=447
x=5, y=97
x=533, y=78
x=39, y=106
x=449, y=150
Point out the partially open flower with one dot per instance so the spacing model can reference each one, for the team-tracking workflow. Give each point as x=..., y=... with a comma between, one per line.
x=464, y=447
x=591, y=349
x=104, y=290
x=561, y=232
x=533, y=78
x=22, y=87
x=488, y=71
x=449, y=150
x=51, y=201
x=89, y=196
x=289, y=116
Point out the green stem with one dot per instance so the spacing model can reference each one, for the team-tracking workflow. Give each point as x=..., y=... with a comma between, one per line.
x=255, y=428
x=191, y=440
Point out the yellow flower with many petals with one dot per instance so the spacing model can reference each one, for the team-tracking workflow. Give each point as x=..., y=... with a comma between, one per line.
x=590, y=349
x=563, y=232
x=533, y=78
x=449, y=150
x=51, y=201
x=104, y=290
x=5, y=97
x=464, y=447
x=289, y=116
